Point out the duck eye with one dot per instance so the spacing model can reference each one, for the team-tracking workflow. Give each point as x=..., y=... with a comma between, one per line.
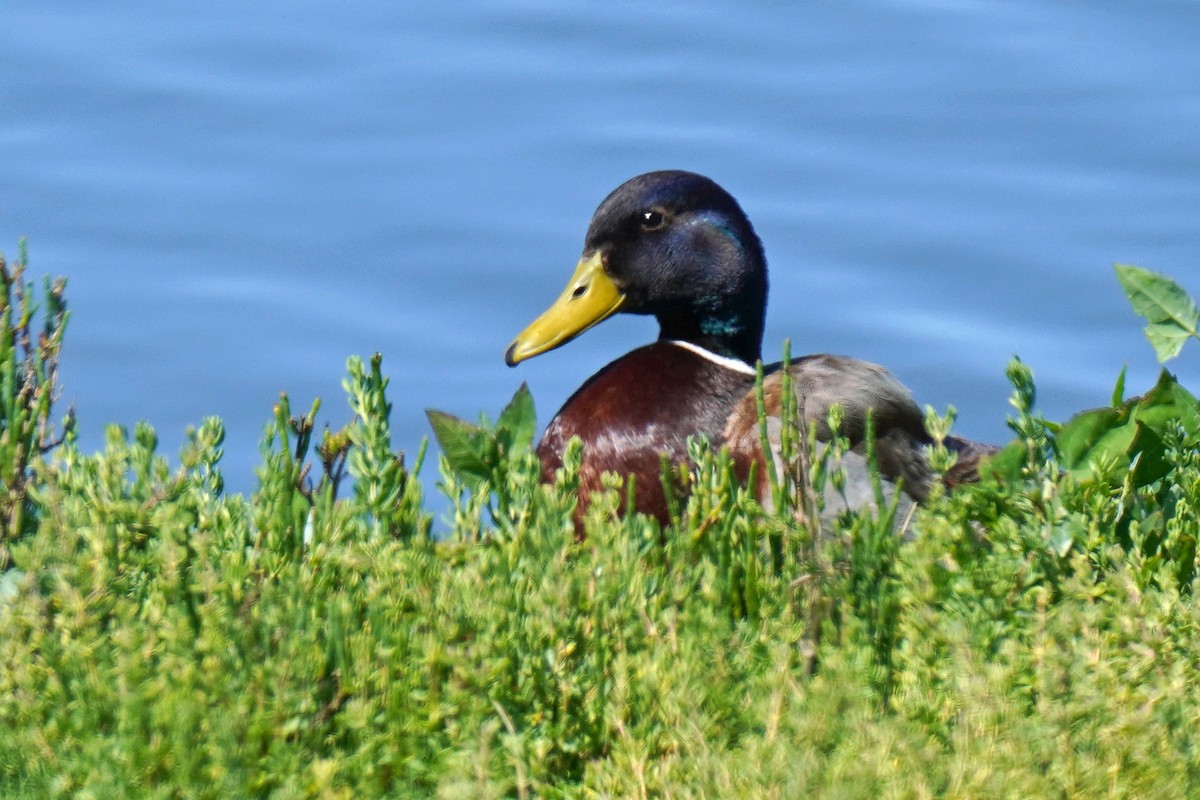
x=653, y=219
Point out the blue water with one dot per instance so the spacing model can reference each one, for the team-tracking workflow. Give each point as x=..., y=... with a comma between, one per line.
x=243, y=195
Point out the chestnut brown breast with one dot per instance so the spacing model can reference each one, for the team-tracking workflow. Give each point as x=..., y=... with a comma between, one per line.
x=644, y=404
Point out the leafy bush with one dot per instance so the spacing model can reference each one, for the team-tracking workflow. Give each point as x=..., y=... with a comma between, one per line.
x=28, y=389
x=1038, y=636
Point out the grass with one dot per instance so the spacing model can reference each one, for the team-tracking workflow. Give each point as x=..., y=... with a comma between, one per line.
x=1038, y=636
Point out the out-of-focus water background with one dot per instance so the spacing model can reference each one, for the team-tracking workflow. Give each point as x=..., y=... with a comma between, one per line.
x=243, y=195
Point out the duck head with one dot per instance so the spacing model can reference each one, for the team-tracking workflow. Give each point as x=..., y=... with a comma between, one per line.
x=671, y=244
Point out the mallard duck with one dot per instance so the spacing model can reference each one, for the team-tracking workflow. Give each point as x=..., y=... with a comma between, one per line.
x=677, y=246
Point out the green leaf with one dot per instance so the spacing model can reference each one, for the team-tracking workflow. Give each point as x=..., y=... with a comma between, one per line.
x=1092, y=436
x=1129, y=431
x=462, y=443
x=1006, y=465
x=1170, y=312
x=1152, y=463
x=518, y=419
x=1166, y=339
x=1118, y=395
x=1169, y=403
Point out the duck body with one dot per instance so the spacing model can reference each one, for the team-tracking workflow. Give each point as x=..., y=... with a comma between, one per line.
x=861, y=389
x=640, y=407
x=677, y=246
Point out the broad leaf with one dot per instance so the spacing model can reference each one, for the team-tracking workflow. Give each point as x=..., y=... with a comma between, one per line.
x=1006, y=466
x=1151, y=453
x=462, y=443
x=1093, y=436
x=518, y=420
x=1130, y=433
x=1167, y=403
x=1166, y=338
x=1170, y=312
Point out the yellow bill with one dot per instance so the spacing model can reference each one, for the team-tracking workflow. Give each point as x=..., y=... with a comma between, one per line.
x=590, y=298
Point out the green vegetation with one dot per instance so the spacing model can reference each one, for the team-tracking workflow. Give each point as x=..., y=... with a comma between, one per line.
x=1037, y=636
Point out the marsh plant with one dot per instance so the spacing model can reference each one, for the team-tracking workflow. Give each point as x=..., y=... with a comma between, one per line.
x=1033, y=635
